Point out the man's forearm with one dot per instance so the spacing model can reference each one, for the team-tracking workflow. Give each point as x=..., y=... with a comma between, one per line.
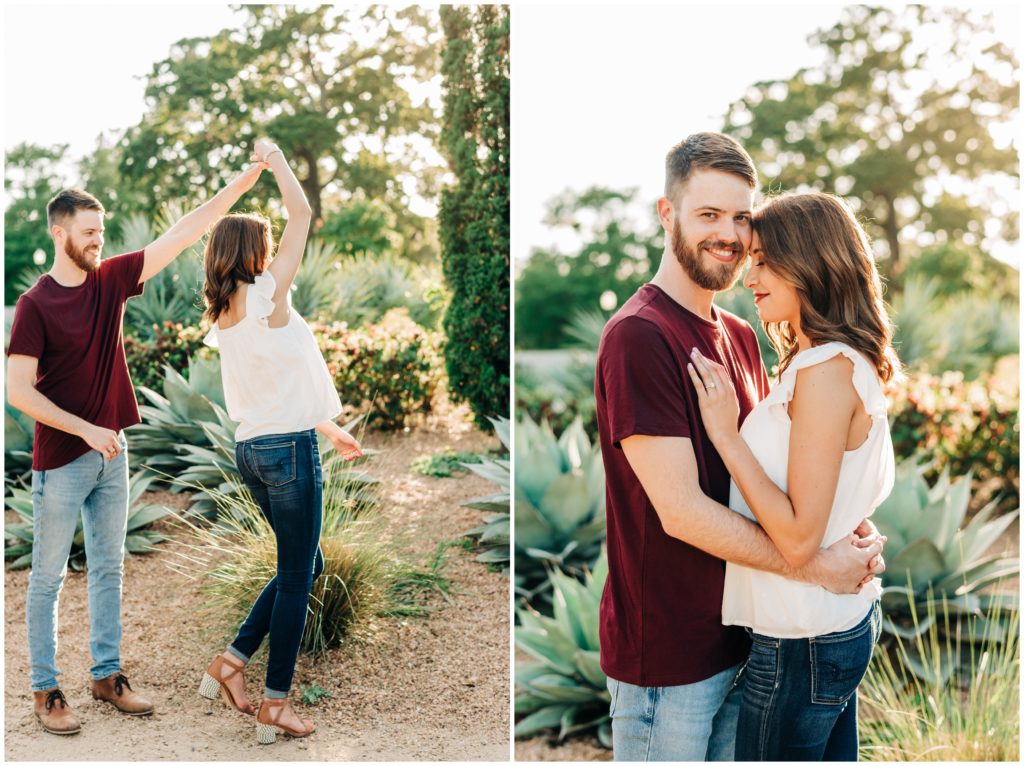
x=727, y=535
x=42, y=410
x=723, y=533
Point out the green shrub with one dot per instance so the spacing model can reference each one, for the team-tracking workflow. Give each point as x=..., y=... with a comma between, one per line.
x=393, y=365
x=20, y=535
x=559, y=396
x=908, y=715
x=565, y=689
x=560, y=502
x=444, y=464
x=474, y=214
x=965, y=425
x=168, y=344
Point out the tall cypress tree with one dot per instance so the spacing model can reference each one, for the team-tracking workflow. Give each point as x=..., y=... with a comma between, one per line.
x=474, y=216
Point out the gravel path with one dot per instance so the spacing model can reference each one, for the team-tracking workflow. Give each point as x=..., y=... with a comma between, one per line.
x=422, y=689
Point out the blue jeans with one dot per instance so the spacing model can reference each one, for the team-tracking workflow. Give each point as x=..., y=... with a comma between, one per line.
x=800, y=694
x=99, y=491
x=691, y=722
x=283, y=474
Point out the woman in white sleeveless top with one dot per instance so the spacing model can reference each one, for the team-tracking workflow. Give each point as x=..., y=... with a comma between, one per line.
x=810, y=461
x=278, y=388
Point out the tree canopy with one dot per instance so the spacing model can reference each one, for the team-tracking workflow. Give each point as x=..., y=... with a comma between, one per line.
x=335, y=87
x=614, y=255
x=910, y=114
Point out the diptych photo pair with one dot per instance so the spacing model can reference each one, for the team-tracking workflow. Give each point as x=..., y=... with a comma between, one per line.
x=511, y=382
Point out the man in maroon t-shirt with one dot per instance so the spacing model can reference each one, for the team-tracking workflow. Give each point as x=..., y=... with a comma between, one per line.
x=67, y=369
x=671, y=664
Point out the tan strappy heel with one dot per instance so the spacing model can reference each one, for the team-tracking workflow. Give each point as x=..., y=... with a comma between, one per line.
x=214, y=678
x=268, y=724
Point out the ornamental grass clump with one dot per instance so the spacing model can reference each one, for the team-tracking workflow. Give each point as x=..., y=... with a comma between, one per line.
x=237, y=557
x=970, y=715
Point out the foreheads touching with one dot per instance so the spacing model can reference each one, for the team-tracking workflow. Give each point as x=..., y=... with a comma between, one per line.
x=706, y=210
x=706, y=151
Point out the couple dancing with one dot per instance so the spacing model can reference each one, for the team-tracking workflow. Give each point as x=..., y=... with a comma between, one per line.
x=67, y=370
x=740, y=611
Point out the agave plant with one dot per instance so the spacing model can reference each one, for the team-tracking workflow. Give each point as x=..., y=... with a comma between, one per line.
x=178, y=417
x=19, y=432
x=565, y=689
x=493, y=534
x=317, y=285
x=20, y=536
x=560, y=503
x=936, y=563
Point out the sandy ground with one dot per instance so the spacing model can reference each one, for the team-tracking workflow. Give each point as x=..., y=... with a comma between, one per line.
x=424, y=689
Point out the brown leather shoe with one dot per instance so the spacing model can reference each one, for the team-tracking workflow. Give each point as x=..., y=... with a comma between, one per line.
x=51, y=708
x=116, y=690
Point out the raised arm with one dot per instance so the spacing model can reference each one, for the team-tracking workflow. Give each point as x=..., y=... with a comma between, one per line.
x=796, y=522
x=22, y=394
x=293, y=240
x=189, y=228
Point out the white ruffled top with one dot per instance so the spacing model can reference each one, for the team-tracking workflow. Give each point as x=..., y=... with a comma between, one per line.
x=769, y=603
x=275, y=378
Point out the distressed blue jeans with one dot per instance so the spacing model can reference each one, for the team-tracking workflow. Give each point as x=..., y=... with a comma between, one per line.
x=690, y=722
x=800, y=694
x=283, y=473
x=98, y=490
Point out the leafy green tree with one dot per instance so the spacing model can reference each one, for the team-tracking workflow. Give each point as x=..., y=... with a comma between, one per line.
x=615, y=255
x=33, y=175
x=899, y=116
x=474, y=218
x=956, y=268
x=331, y=85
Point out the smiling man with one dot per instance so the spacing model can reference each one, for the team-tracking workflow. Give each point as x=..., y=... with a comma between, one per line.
x=672, y=666
x=67, y=370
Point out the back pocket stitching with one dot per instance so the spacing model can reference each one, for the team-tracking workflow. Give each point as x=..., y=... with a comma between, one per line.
x=256, y=463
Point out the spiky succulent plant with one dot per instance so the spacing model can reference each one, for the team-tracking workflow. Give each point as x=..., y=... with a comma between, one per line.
x=560, y=503
x=936, y=559
x=564, y=689
x=493, y=534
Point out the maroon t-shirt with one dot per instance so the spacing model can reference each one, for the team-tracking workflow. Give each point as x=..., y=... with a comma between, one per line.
x=75, y=333
x=661, y=610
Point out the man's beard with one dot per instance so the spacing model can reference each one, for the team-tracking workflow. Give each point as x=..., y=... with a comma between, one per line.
x=79, y=257
x=715, y=278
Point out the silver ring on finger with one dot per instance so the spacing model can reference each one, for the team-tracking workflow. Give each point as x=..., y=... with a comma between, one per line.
x=711, y=385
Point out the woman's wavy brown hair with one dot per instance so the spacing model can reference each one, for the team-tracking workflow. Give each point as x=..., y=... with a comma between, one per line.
x=814, y=242
x=237, y=250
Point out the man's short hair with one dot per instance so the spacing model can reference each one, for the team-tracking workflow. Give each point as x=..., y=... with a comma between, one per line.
x=709, y=150
x=67, y=203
